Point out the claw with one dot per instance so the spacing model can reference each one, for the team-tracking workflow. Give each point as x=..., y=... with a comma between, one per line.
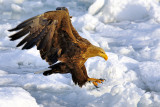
x=95, y=84
x=102, y=79
x=95, y=81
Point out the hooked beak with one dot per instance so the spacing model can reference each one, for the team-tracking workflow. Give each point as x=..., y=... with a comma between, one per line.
x=105, y=57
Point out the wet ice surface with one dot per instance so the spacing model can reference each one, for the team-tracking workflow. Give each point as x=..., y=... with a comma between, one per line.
x=127, y=30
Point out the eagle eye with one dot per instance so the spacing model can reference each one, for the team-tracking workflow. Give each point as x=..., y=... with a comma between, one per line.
x=102, y=52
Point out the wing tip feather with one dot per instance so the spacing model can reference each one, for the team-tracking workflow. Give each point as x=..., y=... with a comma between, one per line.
x=10, y=30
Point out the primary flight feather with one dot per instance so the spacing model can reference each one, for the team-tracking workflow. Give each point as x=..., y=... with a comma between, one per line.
x=57, y=40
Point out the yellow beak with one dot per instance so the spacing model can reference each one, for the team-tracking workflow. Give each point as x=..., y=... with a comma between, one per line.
x=105, y=57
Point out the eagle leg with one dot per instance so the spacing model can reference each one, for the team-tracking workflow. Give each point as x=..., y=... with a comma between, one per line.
x=95, y=81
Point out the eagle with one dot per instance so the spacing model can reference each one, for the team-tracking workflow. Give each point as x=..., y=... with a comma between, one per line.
x=59, y=44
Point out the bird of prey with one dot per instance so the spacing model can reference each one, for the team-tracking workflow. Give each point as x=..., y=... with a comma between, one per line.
x=57, y=40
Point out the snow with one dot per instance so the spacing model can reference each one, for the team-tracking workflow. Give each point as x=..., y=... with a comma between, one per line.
x=132, y=10
x=18, y=97
x=16, y=8
x=127, y=30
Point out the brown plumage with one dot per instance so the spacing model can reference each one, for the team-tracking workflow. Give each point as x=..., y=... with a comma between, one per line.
x=57, y=40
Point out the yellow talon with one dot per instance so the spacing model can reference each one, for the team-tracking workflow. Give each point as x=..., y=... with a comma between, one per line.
x=95, y=81
x=95, y=84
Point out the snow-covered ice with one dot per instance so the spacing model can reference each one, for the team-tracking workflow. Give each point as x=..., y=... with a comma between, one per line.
x=129, y=32
x=16, y=96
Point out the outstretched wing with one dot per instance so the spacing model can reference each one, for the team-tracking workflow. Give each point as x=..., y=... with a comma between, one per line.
x=43, y=30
